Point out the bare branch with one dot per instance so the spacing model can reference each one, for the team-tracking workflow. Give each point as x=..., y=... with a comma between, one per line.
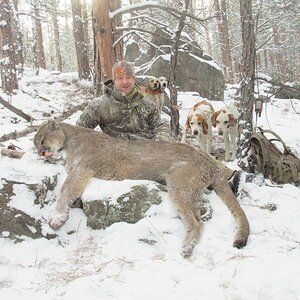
x=121, y=29
x=156, y=5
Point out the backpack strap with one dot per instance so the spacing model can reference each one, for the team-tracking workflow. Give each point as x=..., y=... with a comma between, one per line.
x=278, y=138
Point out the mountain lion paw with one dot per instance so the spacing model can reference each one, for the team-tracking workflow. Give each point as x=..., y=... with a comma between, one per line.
x=57, y=219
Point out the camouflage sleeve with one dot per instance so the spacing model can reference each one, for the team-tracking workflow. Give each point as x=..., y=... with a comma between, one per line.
x=90, y=117
x=158, y=126
x=126, y=135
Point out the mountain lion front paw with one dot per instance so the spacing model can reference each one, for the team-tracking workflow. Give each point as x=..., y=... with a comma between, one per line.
x=57, y=219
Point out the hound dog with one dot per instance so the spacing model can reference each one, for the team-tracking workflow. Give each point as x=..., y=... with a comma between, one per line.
x=154, y=92
x=226, y=121
x=163, y=81
x=199, y=124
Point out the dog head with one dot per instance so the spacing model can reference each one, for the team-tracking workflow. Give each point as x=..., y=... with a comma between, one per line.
x=152, y=85
x=163, y=81
x=223, y=119
x=197, y=124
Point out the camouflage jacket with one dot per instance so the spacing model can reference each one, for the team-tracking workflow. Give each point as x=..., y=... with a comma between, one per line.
x=127, y=117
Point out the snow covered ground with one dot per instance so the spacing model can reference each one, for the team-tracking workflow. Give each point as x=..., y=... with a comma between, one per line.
x=115, y=263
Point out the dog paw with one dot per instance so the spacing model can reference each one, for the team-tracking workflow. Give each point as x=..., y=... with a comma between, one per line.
x=57, y=219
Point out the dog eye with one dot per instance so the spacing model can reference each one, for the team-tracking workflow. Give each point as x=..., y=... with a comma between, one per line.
x=192, y=123
x=225, y=122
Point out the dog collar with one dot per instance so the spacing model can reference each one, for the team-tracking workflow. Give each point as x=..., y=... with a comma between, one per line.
x=153, y=92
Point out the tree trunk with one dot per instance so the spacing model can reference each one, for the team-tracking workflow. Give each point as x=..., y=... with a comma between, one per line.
x=106, y=54
x=206, y=31
x=18, y=39
x=279, y=54
x=56, y=36
x=39, y=36
x=223, y=31
x=193, y=23
x=81, y=51
x=247, y=81
x=85, y=19
x=116, y=22
x=172, y=74
x=7, y=50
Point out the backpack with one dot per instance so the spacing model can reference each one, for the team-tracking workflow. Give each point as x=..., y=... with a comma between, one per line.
x=280, y=166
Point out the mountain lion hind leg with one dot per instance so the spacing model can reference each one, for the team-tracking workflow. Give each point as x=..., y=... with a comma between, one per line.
x=185, y=192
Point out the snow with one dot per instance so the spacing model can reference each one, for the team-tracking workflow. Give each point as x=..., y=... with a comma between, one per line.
x=116, y=263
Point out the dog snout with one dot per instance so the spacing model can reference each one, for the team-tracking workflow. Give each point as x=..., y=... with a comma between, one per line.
x=220, y=132
x=195, y=132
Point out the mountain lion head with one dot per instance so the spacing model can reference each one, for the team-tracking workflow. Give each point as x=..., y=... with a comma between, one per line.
x=49, y=139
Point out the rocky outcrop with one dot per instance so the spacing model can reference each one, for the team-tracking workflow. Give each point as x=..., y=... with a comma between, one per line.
x=195, y=71
x=15, y=223
x=129, y=207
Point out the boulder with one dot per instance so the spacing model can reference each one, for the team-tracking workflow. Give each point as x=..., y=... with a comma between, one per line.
x=129, y=207
x=195, y=70
x=115, y=204
x=192, y=74
x=15, y=223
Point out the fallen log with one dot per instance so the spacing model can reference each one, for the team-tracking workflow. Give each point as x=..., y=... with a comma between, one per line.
x=15, y=110
x=17, y=134
x=12, y=153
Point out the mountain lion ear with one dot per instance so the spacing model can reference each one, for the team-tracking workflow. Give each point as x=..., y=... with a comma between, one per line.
x=52, y=125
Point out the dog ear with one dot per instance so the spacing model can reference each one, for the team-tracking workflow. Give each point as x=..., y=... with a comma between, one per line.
x=232, y=120
x=214, y=119
x=204, y=127
x=187, y=123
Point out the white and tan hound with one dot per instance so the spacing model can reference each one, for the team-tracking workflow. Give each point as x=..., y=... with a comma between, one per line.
x=198, y=123
x=226, y=121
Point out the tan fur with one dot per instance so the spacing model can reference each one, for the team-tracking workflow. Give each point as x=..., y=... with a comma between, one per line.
x=93, y=154
x=153, y=92
x=199, y=124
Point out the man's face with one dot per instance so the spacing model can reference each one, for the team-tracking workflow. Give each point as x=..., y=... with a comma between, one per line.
x=124, y=83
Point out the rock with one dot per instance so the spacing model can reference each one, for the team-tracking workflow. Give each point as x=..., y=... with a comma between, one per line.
x=192, y=74
x=14, y=223
x=195, y=70
x=129, y=207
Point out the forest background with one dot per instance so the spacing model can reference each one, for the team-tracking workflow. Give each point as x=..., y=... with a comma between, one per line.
x=251, y=40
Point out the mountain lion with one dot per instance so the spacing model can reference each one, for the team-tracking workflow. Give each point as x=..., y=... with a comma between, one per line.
x=185, y=170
